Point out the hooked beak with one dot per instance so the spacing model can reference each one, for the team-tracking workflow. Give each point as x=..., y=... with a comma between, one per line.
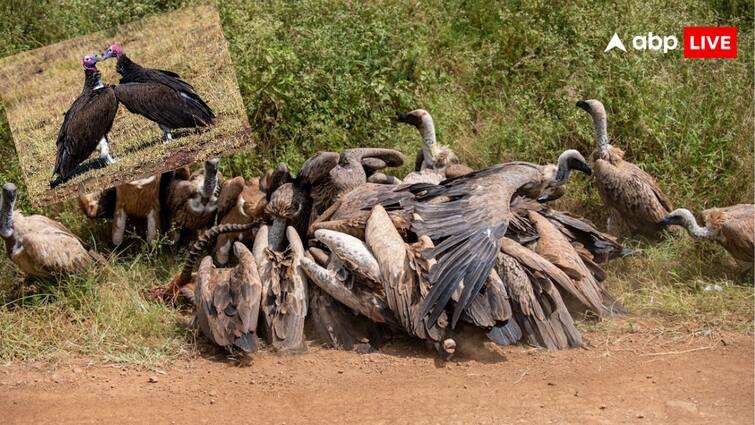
x=583, y=167
x=409, y=119
x=667, y=221
x=583, y=105
x=107, y=54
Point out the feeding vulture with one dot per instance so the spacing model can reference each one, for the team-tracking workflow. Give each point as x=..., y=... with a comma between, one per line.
x=86, y=123
x=38, y=245
x=636, y=202
x=160, y=96
x=434, y=159
x=732, y=227
x=467, y=216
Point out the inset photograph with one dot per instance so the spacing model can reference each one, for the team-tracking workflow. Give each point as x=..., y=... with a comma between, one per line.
x=123, y=104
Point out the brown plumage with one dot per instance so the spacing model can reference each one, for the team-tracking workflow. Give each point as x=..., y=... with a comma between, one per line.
x=284, y=291
x=228, y=300
x=247, y=200
x=99, y=204
x=193, y=201
x=466, y=217
x=138, y=199
x=538, y=309
x=637, y=204
x=87, y=122
x=732, y=227
x=556, y=248
x=331, y=175
x=38, y=245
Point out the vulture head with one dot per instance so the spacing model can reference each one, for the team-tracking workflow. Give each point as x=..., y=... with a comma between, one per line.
x=6, y=212
x=598, y=114
x=684, y=217
x=89, y=62
x=114, y=51
x=286, y=204
x=570, y=160
x=423, y=121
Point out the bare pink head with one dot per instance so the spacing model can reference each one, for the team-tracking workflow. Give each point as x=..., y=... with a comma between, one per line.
x=114, y=51
x=89, y=62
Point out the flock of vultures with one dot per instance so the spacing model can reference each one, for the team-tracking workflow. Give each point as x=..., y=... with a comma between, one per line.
x=346, y=252
x=158, y=95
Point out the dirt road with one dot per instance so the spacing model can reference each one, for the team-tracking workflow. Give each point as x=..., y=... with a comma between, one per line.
x=639, y=380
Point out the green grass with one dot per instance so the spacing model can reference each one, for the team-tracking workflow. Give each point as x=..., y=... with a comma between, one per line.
x=38, y=86
x=501, y=81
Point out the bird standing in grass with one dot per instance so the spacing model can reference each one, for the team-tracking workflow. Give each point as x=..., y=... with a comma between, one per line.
x=636, y=202
x=87, y=122
x=38, y=245
x=160, y=96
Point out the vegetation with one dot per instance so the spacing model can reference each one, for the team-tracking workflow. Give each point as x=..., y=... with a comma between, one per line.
x=501, y=81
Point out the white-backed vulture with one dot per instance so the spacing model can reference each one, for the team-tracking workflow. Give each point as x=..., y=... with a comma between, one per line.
x=284, y=291
x=139, y=199
x=193, y=201
x=635, y=201
x=732, y=227
x=434, y=162
x=227, y=302
x=466, y=217
x=38, y=245
x=86, y=123
x=160, y=96
x=249, y=206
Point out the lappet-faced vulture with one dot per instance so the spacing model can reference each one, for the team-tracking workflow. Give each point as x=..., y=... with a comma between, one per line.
x=38, y=245
x=732, y=227
x=87, y=122
x=636, y=202
x=160, y=96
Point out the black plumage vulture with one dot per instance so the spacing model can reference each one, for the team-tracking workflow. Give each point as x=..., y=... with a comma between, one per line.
x=161, y=96
x=87, y=122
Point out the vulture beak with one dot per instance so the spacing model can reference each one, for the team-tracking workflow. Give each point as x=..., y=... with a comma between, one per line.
x=583, y=167
x=584, y=105
x=409, y=119
x=667, y=221
x=107, y=54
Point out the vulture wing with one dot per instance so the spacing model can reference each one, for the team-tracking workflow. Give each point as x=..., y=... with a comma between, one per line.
x=164, y=104
x=88, y=120
x=737, y=229
x=467, y=216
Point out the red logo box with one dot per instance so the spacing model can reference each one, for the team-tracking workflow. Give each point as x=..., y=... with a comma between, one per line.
x=710, y=42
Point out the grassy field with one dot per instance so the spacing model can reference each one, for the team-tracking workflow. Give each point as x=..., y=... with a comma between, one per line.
x=38, y=86
x=501, y=81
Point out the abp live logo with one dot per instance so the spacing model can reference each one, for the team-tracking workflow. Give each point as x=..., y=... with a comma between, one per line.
x=710, y=42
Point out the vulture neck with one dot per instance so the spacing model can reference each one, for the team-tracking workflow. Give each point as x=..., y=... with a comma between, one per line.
x=601, y=133
x=427, y=131
x=92, y=80
x=128, y=69
x=6, y=223
x=694, y=229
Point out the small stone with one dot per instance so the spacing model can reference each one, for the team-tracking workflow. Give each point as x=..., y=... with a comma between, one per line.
x=640, y=416
x=213, y=393
x=212, y=401
x=551, y=384
x=152, y=380
x=466, y=386
x=340, y=371
x=602, y=407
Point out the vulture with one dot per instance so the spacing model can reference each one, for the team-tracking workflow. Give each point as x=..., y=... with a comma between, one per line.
x=86, y=123
x=99, y=204
x=248, y=206
x=160, y=96
x=467, y=216
x=636, y=203
x=284, y=291
x=434, y=161
x=227, y=302
x=732, y=227
x=139, y=199
x=331, y=175
x=195, y=200
x=288, y=204
x=38, y=245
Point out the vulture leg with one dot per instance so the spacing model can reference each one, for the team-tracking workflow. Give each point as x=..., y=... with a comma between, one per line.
x=104, y=148
x=167, y=137
x=119, y=226
x=152, y=219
